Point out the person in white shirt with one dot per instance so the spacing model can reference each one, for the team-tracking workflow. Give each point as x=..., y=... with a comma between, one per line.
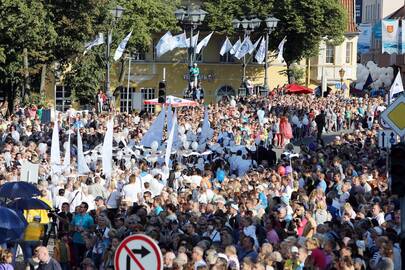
x=198, y=257
x=60, y=199
x=132, y=191
x=378, y=214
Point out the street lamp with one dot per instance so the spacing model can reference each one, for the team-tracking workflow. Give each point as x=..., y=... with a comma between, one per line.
x=116, y=14
x=342, y=75
x=271, y=24
x=190, y=19
x=247, y=27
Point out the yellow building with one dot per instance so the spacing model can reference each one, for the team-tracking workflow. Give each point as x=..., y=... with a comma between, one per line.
x=219, y=75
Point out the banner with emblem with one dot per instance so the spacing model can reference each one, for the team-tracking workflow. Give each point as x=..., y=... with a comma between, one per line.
x=403, y=37
x=390, y=36
x=364, y=38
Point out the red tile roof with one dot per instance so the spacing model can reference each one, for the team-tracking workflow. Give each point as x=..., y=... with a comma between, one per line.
x=348, y=5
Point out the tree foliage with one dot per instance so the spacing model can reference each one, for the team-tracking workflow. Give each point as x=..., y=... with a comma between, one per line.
x=24, y=24
x=306, y=23
x=222, y=12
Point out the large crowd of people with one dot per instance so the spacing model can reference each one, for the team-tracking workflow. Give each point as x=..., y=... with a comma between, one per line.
x=230, y=203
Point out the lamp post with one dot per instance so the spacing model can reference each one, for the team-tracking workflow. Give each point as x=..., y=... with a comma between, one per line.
x=271, y=24
x=116, y=13
x=247, y=27
x=190, y=19
x=342, y=75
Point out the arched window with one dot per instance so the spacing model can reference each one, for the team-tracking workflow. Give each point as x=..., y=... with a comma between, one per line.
x=226, y=92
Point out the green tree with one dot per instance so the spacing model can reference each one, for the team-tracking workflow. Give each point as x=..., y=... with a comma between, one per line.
x=24, y=26
x=306, y=23
x=143, y=17
x=222, y=12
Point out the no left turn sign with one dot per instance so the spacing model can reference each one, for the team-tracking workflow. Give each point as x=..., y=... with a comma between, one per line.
x=138, y=252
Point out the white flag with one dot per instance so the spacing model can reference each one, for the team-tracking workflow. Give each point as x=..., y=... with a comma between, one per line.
x=261, y=52
x=205, y=130
x=254, y=46
x=97, y=41
x=66, y=159
x=280, y=57
x=107, y=149
x=170, y=139
x=165, y=44
x=82, y=167
x=244, y=48
x=180, y=41
x=155, y=132
x=121, y=48
x=55, y=150
x=396, y=87
x=194, y=40
x=235, y=47
x=226, y=47
x=203, y=43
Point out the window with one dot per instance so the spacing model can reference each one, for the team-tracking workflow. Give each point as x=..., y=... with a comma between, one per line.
x=123, y=99
x=330, y=54
x=63, y=100
x=226, y=58
x=349, y=49
x=138, y=56
x=148, y=93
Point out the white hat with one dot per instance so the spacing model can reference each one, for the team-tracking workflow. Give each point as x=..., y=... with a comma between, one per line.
x=294, y=249
x=235, y=206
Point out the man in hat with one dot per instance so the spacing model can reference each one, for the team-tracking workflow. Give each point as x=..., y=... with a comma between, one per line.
x=32, y=236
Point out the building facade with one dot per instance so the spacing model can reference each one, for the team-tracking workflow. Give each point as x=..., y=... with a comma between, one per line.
x=373, y=11
x=332, y=59
x=220, y=75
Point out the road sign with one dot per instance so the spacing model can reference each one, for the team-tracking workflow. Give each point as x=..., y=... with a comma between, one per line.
x=394, y=116
x=387, y=138
x=338, y=85
x=138, y=252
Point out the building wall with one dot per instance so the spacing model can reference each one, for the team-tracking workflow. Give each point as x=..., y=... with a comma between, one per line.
x=373, y=12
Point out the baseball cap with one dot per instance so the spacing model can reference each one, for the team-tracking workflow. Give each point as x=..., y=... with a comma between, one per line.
x=294, y=249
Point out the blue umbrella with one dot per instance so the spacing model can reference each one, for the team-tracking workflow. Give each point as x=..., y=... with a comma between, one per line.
x=20, y=189
x=28, y=203
x=12, y=225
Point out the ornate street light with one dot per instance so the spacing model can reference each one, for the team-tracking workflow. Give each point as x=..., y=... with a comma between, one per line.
x=116, y=14
x=190, y=19
x=271, y=24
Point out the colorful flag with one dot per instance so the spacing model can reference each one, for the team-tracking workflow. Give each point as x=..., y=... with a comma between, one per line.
x=107, y=149
x=121, y=48
x=390, y=36
x=364, y=42
x=396, y=87
x=97, y=41
x=261, y=52
x=226, y=47
x=235, y=47
x=280, y=57
x=203, y=43
x=164, y=45
x=403, y=37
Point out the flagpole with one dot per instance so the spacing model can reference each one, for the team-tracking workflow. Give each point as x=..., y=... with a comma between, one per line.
x=266, y=65
x=129, y=75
